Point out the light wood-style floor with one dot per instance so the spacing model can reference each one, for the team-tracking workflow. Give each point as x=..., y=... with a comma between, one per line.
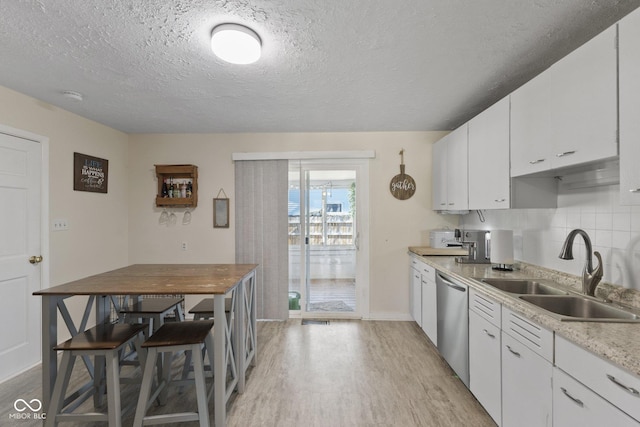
x=347, y=373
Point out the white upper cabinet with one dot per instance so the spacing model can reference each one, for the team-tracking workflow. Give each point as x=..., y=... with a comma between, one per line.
x=629, y=51
x=489, y=158
x=439, y=175
x=449, y=179
x=568, y=114
x=530, y=127
x=457, y=170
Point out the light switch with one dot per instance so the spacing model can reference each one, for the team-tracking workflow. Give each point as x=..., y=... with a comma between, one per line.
x=61, y=224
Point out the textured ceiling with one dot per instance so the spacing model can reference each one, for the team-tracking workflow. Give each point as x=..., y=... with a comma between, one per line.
x=330, y=65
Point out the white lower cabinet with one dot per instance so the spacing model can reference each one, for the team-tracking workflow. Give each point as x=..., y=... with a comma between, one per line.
x=423, y=301
x=617, y=388
x=484, y=364
x=527, y=351
x=429, y=303
x=576, y=405
x=415, y=291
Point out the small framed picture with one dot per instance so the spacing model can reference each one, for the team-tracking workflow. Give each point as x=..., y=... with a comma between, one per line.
x=220, y=213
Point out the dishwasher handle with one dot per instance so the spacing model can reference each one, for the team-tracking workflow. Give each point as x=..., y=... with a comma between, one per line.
x=451, y=284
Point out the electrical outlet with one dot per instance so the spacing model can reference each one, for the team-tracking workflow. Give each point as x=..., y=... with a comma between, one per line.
x=184, y=246
x=60, y=224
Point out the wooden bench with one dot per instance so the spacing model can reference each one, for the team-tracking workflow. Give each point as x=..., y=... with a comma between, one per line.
x=102, y=340
x=204, y=309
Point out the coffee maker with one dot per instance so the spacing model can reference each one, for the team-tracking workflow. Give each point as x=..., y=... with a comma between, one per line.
x=478, y=243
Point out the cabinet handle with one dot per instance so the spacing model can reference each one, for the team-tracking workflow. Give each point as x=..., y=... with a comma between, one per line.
x=566, y=153
x=630, y=390
x=634, y=190
x=535, y=162
x=500, y=200
x=577, y=401
x=488, y=333
x=443, y=204
x=515, y=353
x=451, y=204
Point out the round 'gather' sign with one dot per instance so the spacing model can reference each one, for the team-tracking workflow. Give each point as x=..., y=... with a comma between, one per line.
x=402, y=186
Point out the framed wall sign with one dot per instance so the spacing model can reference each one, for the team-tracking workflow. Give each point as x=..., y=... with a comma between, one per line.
x=90, y=173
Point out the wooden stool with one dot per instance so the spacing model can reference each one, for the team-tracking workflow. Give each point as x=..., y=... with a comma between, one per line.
x=102, y=340
x=204, y=309
x=174, y=337
x=200, y=311
x=155, y=310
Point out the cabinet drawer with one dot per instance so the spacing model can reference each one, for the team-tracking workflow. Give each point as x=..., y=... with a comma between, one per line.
x=425, y=269
x=485, y=307
x=576, y=405
x=619, y=387
x=428, y=272
x=529, y=333
x=415, y=263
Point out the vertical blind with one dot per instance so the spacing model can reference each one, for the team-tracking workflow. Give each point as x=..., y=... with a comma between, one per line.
x=261, y=231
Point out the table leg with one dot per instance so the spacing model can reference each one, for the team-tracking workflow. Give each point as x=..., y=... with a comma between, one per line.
x=49, y=340
x=239, y=335
x=103, y=311
x=220, y=366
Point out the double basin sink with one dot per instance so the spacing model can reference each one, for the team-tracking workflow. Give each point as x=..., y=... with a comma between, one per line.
x=562, y=304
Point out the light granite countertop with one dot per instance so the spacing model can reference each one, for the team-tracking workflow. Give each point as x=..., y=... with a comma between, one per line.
x=617, y=342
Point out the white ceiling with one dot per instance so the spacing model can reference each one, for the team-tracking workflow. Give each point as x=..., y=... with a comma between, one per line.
x=327, y=65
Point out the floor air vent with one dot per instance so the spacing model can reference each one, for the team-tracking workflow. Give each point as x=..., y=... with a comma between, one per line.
x=314, y=322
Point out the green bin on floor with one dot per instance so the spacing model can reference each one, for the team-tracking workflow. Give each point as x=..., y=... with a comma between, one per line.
x=294, y=300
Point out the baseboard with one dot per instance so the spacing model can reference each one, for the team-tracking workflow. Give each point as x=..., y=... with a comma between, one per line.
x=390, y=316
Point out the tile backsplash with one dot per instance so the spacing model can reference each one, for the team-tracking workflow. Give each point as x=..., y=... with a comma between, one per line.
x=539, y=233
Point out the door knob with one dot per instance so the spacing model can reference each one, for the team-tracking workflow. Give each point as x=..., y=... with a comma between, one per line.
x=36, y=259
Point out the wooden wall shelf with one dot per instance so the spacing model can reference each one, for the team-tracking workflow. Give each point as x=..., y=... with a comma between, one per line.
x=178, y=173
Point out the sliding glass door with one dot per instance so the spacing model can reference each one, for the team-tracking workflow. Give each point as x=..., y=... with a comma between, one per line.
x=324, y=240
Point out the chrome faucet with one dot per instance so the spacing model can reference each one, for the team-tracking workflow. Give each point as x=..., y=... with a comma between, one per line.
x=590, y=276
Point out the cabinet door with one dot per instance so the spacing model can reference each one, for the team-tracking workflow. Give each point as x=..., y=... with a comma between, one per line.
x=576, y=405
x=489, y=158
x=429, y=308
x=583, y=103
x=629, y=50
x=530, y=130
x=416, y=296
x=439, y=175
x=526, y=386
x=457, y=170
x=484, y=365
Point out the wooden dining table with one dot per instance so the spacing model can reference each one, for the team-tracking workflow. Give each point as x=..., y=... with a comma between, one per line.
x=234, y=336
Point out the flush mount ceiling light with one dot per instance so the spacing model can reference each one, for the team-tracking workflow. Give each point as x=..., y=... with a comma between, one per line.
x=236, y=44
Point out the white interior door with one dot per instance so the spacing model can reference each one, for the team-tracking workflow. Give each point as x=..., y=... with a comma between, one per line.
x=20, y=239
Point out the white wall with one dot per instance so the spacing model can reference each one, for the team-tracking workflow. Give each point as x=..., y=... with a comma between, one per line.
x=97, y=238
x=539, y=233
x=395, y=224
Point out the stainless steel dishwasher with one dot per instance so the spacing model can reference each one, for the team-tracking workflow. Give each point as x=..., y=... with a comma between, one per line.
x=453, y=324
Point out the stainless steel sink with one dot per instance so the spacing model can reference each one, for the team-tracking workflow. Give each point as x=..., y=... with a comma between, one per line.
x=579, y=308
x=523, y=286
